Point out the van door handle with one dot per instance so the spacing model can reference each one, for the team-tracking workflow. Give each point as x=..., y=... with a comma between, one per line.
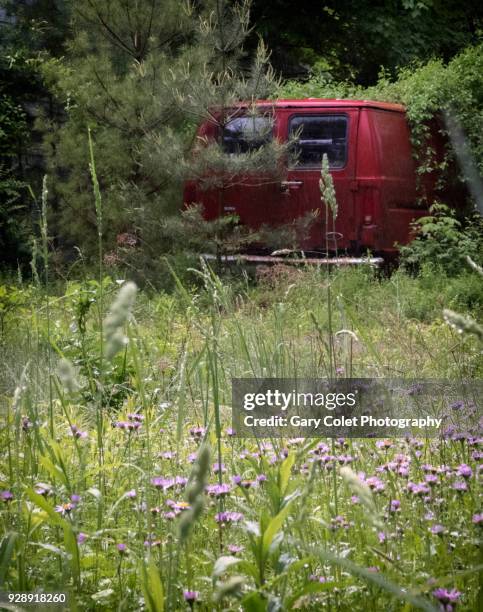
x=287, y=185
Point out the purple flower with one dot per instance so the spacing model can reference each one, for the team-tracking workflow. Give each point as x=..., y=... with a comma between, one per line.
x=384, y=444
x=77, y=433
x=75, y=499
x=477, y=519
x=217, y=467
x=355, y=499
x=375, y=484
x=225, y=518
x=381, y=536
x=395, y=505
x=431, y=479
x=197, y=432
x=230, y=432
x=168, y=483
x=234, y=549
x=418, y=489
x=6, y=496
x=190, y=596
x=261, y=478
x=26, y=423
x=168, y=455
x=447, y=597
x=460, y=485
x=81, y=538
x=135, y=416
x=64, y=508
x=131, y=494
x=464, y=471
x=43, y=490
x=122, y=549
x=437, y=529
x=218, y=490
x=315, y=578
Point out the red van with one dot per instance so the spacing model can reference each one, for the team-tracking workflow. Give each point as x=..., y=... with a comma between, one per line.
x=370, y=159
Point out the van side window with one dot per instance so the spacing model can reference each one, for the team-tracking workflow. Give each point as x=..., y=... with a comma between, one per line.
x=316, y=135
x=245, y=134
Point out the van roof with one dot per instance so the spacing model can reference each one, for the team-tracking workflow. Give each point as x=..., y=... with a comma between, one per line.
x=322, y=102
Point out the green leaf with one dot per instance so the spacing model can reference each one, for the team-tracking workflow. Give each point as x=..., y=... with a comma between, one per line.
x=273, y=528
x=7, y=547
x=152, y=587
x=285, y=471
x=254, y=602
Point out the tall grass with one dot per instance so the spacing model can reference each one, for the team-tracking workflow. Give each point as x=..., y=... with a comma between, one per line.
x=110, y=490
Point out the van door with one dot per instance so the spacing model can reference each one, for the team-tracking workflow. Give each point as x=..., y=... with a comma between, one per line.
x=332, y=131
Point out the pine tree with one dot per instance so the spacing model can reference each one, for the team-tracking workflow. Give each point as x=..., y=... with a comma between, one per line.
x=142, y=75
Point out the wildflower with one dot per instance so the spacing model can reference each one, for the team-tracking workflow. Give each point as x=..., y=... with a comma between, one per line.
x=131, y=494
x=190, y=597
x=230, y=432
x=135, y=416
x=122, y=549
x=315, y=578
x=43, y=489
x=219, y=467
x=167, y=455
x=418, y=489
x=26, y=424
x=168, y=483
x=395, y=505
x=218, y=490
x=375, y=484
x=355, y=499
x=447, y=598
x=373, y=569
x=477, y=519
x=261, y=478
x=345, y=459
x=384, y=444
x=460, y=485
x=75, y=499
x=234, y=549
x=6, y=496
x=81, y=538
x=381, y=536
x=339, y=522
x=431, y=479
x=169, y=516
x=192, y=457
x=225, y=518
x=437, y=529
x=197, y=432
x=64, y=508
x=177, y=506
x=77, y=433
x=464, y=471
x=244, y=484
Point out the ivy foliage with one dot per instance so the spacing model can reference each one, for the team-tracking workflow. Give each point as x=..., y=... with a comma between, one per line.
x=425, y=89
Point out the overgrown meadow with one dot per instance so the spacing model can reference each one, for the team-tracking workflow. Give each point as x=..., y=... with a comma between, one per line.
x=123, y=484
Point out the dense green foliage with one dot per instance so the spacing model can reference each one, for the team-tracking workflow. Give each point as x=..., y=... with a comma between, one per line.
x=443, y=242
x=352, y=40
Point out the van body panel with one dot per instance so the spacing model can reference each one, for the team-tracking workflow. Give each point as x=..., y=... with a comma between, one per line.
x=371, y=163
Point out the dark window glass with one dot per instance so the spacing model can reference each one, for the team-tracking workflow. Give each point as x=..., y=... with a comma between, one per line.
x=245, y=134
x=316, y=135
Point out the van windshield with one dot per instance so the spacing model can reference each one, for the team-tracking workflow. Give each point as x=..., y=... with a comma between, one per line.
x=245, y=134
x=316, y=135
